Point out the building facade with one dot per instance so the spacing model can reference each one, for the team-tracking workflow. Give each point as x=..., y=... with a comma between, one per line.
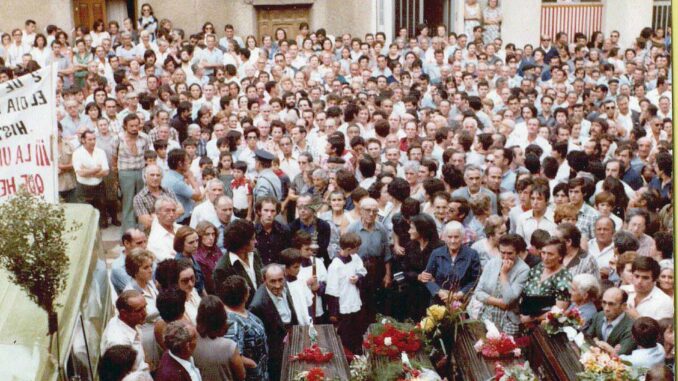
x=523, y=20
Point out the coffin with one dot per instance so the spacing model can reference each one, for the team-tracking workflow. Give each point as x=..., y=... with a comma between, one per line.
x=328, y=340
x=469, y=365
x=553, y=358
x=378, y=362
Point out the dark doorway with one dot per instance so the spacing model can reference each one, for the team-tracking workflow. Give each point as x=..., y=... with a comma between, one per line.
x=433, y=14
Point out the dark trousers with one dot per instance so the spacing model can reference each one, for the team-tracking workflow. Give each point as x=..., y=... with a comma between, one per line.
x=94, y=195
x=351, y=328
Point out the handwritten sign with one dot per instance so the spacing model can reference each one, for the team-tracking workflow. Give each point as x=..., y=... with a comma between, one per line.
x=28, y=135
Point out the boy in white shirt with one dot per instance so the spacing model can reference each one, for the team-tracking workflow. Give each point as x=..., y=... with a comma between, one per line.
x=343, y=294
x=301, y=300
x=314, y=283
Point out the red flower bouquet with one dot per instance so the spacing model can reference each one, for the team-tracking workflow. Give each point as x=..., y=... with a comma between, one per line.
x=392, y=342
x=498, y=346
x=313, y=374
x=313, y=354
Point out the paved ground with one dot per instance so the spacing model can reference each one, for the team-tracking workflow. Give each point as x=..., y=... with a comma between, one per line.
x=111, y=241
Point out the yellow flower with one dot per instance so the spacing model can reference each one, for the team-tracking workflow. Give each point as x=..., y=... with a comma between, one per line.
x=436, y=312
x=427, y=324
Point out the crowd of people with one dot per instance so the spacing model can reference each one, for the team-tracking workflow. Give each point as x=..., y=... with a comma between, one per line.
x=261, y=184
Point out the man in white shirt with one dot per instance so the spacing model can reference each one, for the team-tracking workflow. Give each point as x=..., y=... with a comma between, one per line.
x=211, y=57
x=288, y=161
x=124, y=328
x=645, y=298
x=16, y=49
x=601, y=248
x=205, y=211
x=91, y=166
x=181, y=339
x=539, y=217
x=161, y=238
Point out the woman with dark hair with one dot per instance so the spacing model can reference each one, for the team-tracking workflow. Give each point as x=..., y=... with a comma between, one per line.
x=423, y=240
x=171, y=304
x=93, y=113
x=215, y=356
x=246, y=329
x=41, y=52
x=615, y=186
x=147, y=20
x=548, y=281
x=208, y=253
x=186, y=241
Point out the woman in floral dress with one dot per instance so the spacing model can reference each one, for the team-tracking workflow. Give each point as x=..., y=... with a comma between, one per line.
x=492, y=17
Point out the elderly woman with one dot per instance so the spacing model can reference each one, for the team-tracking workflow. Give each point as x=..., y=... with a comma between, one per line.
x=665, y=280
x=217, y=357
x=584, y=291
x=452, y=270
x=501, y=284
x=487, y=247
x=186, y=243
x=208, y=252
x=337, y=216
x=423, y=241
x=139, y=266
x=246, y=329
x=549, y=280
x=411, y=171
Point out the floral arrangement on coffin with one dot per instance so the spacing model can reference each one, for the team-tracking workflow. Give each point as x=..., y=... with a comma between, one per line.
x=403, y=370
x=601, y=366
x=390, y=340
x=313, y=354
x=360, y=368
x=497, y=344
x=558, y=321
x=313, y=374
x=520, y=372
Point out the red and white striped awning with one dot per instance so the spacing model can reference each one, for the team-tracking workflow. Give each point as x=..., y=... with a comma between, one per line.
x=571, y=19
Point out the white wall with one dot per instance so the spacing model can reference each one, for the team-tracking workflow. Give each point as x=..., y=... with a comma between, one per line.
x=521, y=21
x=628, y=17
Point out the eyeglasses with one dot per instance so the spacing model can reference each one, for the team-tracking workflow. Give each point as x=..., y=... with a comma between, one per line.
x=251, y=138
x=610, y=108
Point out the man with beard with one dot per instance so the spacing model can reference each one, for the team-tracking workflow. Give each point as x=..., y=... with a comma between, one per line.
x=129, y=154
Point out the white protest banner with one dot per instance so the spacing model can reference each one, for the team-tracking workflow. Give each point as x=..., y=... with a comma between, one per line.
x=28, y=134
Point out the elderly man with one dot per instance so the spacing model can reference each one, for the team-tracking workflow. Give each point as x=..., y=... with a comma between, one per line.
x=223, y=207
x=268, y=183
x=473, y=178
x=131, y=239
x=375, y=253
x=272, y=303
x=124, y=328
x=163, y=227
x=636, y=223
x=144, y=201
x=311, y=224
x=601, y=247
x=182, y=182
x=176, y=364
x=206, y=211
x=272, y=236
x=611, y=327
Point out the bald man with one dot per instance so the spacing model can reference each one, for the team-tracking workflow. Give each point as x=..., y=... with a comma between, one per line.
x=611, y=327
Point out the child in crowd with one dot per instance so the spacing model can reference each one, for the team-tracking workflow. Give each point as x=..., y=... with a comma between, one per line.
x=605, y=202
x=291, y=259
x=343, y=294
x=225, y=168
x=161, y=151
x=315, y=284
x=242, y=190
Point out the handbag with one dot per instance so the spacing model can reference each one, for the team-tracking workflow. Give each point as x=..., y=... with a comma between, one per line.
x=535, y=305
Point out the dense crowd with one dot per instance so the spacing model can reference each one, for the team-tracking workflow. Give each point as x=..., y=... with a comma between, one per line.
x=316, y=178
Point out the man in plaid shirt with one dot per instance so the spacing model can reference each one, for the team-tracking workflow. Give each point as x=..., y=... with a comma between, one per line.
x=587, y=216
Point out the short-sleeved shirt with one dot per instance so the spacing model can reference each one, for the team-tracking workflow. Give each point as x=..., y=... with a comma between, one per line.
x=83, y=159
x=374, y=243
x=144, y=201
x=174, y=181
x=557, y=285
x=127, y=161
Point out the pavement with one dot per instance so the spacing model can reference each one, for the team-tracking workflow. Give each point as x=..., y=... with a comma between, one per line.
x=110, y=238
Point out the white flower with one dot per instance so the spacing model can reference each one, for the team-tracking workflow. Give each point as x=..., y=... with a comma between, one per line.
x=562, y=319
x=517, y=352
x=387, y=341
x=478, y=346
x=556, y=310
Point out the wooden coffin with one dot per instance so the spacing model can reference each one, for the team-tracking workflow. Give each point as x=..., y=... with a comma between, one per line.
x=328, y=340
x=553, y=358
x=468, y=364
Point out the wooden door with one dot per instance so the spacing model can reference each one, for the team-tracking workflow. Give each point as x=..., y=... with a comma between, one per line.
x=270, y=18
x=85, y=12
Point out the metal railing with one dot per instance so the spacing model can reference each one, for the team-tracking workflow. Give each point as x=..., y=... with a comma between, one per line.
x=661, y=14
